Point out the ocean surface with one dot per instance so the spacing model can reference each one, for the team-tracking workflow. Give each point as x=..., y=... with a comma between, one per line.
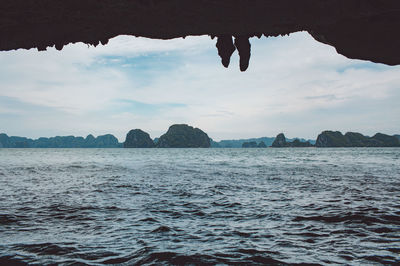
x=200, y=206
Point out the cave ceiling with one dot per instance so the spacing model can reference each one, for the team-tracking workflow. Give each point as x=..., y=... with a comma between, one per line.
x=358, y=29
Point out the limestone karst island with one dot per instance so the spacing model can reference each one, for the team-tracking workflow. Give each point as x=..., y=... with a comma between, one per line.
x=185, y=136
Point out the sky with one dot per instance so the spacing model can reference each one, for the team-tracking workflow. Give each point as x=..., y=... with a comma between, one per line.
x=294, y=85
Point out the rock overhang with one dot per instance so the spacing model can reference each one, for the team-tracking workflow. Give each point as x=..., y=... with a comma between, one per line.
x=358, y=29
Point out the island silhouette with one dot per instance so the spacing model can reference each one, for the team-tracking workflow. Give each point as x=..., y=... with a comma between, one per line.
x=185, y=136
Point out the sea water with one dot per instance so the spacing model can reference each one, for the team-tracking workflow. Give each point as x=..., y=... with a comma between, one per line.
x=200, y=206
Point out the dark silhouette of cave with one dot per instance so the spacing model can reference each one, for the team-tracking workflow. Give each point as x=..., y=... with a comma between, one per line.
x=359, y=29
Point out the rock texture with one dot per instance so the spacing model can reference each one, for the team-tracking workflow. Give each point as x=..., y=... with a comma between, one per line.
x=137, y=138
x=362, y=29
x=184, y=136
x=354, y=139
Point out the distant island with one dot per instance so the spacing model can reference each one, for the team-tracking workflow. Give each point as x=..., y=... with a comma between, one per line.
x=185, y=136
x=332, y=139
x=354, y=139
x=253, y=144
x=280, y=142
x=105, y=141
x=243, y=143
x=177, y=136
x=137, y=138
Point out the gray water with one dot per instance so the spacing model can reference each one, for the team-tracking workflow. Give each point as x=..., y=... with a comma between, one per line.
x=200, y=206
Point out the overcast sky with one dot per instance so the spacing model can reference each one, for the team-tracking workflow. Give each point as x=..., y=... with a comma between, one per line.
x=294, y=85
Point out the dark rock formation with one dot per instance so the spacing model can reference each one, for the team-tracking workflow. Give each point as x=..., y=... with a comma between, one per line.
x=225, y=49
x=384, y=140
x=331, y=139
x=90, y=141
x=280, y=141
x=300, y=144
x=362, y=29
x=353, y=139
x=243, y=46
x=183, y=136
x=262, y=145
x=237, y=143
x=251, y=144
x=356, y=139
x=105, y=141
x=138, y=139
x=397, y=136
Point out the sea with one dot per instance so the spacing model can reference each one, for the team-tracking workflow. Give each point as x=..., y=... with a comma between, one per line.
x=200, y=206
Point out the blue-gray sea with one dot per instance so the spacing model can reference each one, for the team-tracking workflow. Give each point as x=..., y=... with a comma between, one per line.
x=200, y=206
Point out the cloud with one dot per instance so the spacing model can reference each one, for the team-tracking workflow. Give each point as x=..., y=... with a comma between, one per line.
x=294, y=84
x=141, y=108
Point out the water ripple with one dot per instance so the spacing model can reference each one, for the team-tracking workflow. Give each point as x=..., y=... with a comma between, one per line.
x=200, y=207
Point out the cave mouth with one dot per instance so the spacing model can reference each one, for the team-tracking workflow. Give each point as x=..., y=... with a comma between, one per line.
x=292, y=85
x=358, y=29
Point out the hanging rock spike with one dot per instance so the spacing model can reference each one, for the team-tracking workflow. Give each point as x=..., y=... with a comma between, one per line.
x=225, y=49
x=243, y=46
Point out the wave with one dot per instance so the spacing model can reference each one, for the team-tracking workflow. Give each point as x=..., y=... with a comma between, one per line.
x=158, y=209
x=8, y=219
x=12, y=260
x=47, y=248
x=352, y=218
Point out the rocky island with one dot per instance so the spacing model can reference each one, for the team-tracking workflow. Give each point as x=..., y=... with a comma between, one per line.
x=261, y=145
x=354, y=139
x=280, y=142
x=104, y=141
x=137, y=138
x=253, y=144
x=183, y=136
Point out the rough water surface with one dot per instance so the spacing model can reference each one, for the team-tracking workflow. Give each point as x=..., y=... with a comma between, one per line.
x=200, y=206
